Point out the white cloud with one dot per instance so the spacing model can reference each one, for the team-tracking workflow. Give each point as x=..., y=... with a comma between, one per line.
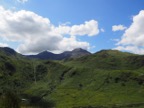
x=22, y=1
x=118, y=27
x=133, y=38
x=133, y=49
x=102, y=30
x=72, y=43
x=3, y=45
x=116, y=40
x=90, y=28
x=36, y=33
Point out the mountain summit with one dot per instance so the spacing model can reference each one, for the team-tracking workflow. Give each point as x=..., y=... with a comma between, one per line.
x=76, y=53
x=8, y=51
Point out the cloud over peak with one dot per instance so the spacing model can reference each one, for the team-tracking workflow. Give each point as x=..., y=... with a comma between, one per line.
x=36, y=33
x=89, y=28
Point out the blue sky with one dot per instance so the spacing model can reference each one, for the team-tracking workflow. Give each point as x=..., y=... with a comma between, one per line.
x=90, y=24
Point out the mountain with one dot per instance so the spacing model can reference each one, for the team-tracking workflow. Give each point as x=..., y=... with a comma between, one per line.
x=43, y=55
x=105, y=79
x=76, y=53
x=8, y=51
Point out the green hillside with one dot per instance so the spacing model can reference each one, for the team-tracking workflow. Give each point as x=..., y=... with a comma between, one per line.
x=106, y=79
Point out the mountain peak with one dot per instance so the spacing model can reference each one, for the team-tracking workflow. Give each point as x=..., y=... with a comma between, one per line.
x=7, y=51
x=78, y=49
x=78, y=52
x=45, y=52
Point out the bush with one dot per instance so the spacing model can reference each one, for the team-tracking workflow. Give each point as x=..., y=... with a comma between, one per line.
x=10, y=100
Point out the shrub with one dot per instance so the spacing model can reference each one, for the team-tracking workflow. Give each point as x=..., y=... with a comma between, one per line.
x=10, y=100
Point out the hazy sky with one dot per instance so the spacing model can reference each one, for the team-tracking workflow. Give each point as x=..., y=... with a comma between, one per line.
x=32, y=26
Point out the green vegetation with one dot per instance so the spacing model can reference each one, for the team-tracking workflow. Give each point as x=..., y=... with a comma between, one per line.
x=107, y=79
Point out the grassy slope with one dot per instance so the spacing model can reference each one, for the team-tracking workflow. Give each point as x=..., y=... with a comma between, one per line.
x=105, y=79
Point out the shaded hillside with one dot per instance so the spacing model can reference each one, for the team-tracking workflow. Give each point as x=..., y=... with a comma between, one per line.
x=7, y=51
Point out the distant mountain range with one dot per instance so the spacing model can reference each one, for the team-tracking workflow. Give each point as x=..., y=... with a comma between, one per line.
x=65, y=55
x=45, y=55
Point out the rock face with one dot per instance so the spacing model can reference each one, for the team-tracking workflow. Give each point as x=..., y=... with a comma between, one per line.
x=67, y=54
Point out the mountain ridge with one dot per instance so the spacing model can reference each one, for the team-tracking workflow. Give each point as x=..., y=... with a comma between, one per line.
x=7, y=51
x=65, y=55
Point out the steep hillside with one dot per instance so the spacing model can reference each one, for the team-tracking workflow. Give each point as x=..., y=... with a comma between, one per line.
x=109, y=59
x=106, y=79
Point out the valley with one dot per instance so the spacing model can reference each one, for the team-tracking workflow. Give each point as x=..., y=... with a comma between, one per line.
x=105, y=79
